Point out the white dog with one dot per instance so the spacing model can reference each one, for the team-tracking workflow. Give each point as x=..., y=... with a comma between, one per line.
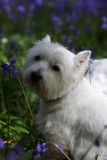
x=72, y=113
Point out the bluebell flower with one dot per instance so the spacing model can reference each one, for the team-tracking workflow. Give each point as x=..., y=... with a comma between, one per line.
x=104, y=25
x=43, y=147
x=19, y=149
x=39, y=2
x=12, y=47
x=73, y=50
x=68, y=42
x=11, y=66
x=64, y=38
x=61, y=148
x=40, y=148
x=72, y=28
x=11, y=156
x=89, y=72
x=84, y=48
x=2, y=146
x=90, y=62
x=56, y=19
x=21, y=9
x=1, y=34
x=93, y=54
x=36, y=154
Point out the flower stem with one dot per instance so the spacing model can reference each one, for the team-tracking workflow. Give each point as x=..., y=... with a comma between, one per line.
x=2, y=93
x=8, y=117
x=25, y=98
x=59, y=149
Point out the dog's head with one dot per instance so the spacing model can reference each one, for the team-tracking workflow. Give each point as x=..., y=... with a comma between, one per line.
x=51, y=70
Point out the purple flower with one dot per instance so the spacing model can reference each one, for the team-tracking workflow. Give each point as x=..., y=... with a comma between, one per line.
x=12, y=47
x=90, y=62
x=36, y=154
x=104, y=19
x=19, y=149
x=21, y=9
x=39, y=2
x=11, y=156
x=7, y=67
x=73, y=50
x=1, y=144
x=89, y=72
x=56, y=20
x=61, y=148
x=68, y=42
x=43, y=147
x=72, y=28
x=84, y=48
x=92, y=54
x=1, y=34
x=104, y=25
x=64, y=38
x=40, y=148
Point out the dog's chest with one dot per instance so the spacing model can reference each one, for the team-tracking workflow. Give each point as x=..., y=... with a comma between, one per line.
x=57, y=121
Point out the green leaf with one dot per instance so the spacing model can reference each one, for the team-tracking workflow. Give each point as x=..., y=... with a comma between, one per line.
x=21, y=129
x=96, y=157
x=28, y=155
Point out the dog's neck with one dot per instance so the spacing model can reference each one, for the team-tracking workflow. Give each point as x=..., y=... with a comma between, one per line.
x=71, y=96
x=74, y=92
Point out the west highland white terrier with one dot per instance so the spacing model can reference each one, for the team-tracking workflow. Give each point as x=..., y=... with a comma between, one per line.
x=72, y=113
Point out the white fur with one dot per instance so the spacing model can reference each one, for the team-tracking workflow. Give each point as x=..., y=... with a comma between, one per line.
x=72, y=113
x=99, y=75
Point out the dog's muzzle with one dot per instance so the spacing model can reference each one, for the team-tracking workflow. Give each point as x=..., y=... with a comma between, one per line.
x=35, y=77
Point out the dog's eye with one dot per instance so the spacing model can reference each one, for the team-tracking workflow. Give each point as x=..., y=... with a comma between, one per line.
x=55, y=68
x=37, y=58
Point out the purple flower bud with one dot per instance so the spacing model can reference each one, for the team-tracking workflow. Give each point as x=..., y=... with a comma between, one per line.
x=21, y=9
x=90, y=62
x=38, y=148
x=1, y=34
x=11, y=156
x=12, y=47
x=2, y=146
x=90, y=73
x=43, y=147
x=73, y=50
x=36, y=154
x=61, y=148
x=19, y=149
x=11, y=66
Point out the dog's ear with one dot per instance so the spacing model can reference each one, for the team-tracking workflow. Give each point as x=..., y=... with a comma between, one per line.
x=46, y=38
x=82, y=58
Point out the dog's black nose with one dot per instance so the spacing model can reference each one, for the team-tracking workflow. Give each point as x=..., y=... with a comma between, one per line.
x=36, y=76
